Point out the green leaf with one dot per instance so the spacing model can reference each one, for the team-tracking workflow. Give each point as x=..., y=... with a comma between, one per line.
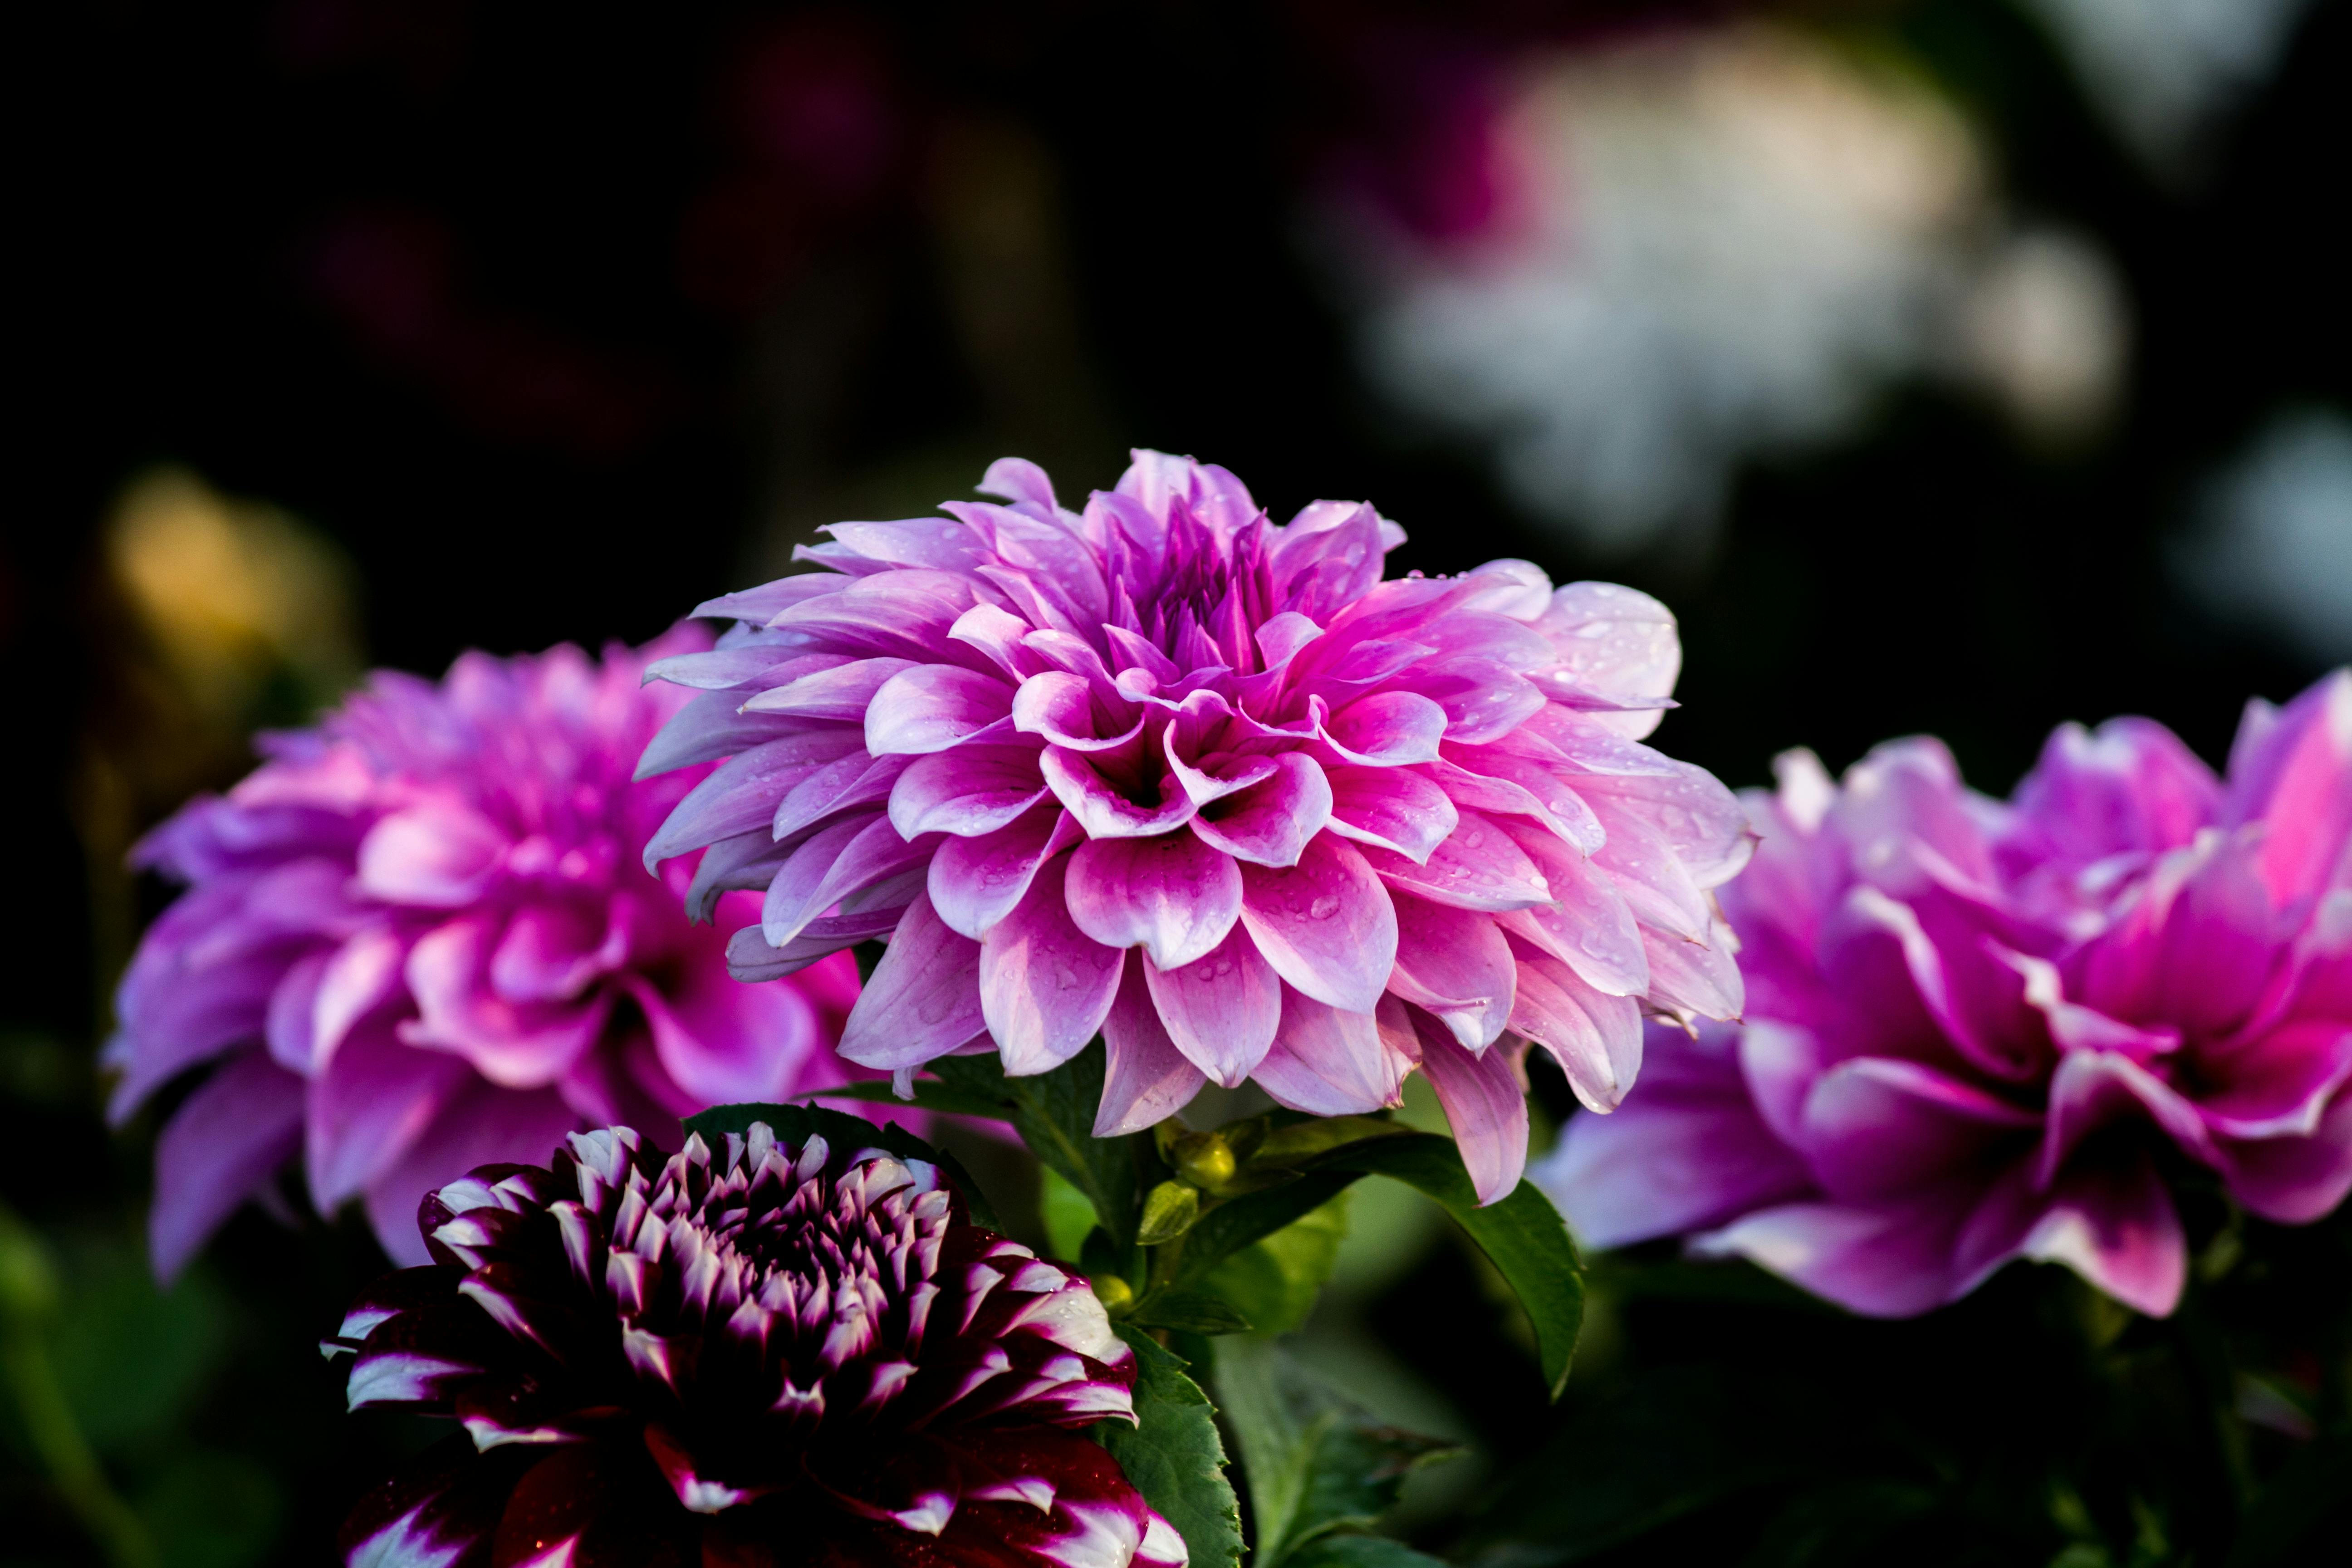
x=796, y=1125
x=1069, y=1218
x=1302, y=1140
x=1194, y=1312
x=1169, y=1211
x=1274, y=1281
x=1315, y=1461
x=1054, y=1112
x=1229, y=1226
x=211, y=1509
x=1360, y=1552
x=1174, y=1456
x=1523, y=1234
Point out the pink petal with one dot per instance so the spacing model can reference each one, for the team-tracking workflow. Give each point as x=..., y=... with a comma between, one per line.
x=1885, y=1260
x=1388, y=727
x=1065, y=710
x=1595, y=1039
x=835, y=863
x=437, y=854
x=1457, y=964
x=932, y=707
x=1616, y=643
x=1486, y=1104
x=518, y=1045
x=227, y=1141
x=1326, y=1062
x=976, y=882
x=1045, y=984
x=552, y=952
x=1174, y=894
x=1687, y=1151
x=375, y=1099
x=1695, y=982
x=740, y=793
x=2115, y=1226
x=1876, y=1127
x=1395, y=808
x=1655, y=884
x=1222, y=1010
x=1146, y=1078
x=923, y=1000
x=721, y=1042
x=1270, y=823
x=2295, y=1181
x=2292, y=768
x=1102, y=808
x=1589, y=925
x=1479, y=866
x=480, y=1126
x=841, y=785
x=2277, y=1085
x=1327, y=925
x=2092, y=1088
x=2130, y=786
x=967, y=792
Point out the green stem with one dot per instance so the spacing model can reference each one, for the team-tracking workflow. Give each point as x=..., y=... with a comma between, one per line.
x=27, y=1296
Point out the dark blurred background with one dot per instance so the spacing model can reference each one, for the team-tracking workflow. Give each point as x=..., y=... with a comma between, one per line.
x=1962, y=367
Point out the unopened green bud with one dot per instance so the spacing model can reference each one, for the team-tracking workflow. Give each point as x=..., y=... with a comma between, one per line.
x=1204, y=1160
x=1169, y=1211
x=1115, y=1294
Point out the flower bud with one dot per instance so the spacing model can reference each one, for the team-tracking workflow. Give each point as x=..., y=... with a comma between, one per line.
x=1169, y=1211
x=1204, y=1160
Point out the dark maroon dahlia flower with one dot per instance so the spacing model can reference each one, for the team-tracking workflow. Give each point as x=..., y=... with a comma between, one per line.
x=752, y=1356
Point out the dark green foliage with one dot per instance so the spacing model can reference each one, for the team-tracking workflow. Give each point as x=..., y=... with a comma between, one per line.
x=1174, y=1456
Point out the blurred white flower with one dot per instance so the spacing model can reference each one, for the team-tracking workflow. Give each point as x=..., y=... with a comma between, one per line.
x=2164, y=72
x=2274, y=547
x=1715, y=245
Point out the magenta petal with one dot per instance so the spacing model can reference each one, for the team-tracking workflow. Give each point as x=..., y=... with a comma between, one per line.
x=2295, y=1181
x=1326, y=1062
x=1222, y=1010
x=976, y=882
x=1388, y=727
x=1487, y=1106
x=835, y=864
x=518, y=1045
x=374, y=1099
x=2092, y=1088
x=1064, y=709
x=1045, y=984
x=1146, y=1080
x=437, y=854
x=1478, y=867
x=1270, y=823
x=932, y=707
x=966, y=792
x=2117, y=1227
x=2292, y=770
x=1589, y=926
x=1596, y=1038
x=1327, y=925
x=923, y=1000
x=725, y=1043
x=1873, y=1127
x=1686, y=1153
x=1692, y=981
x=480, y=1126
x=1103, y=809
x=1395, y=808
x=1174, y=894
x=1887, y=1259
x=1456, y=964
x=225, y=1143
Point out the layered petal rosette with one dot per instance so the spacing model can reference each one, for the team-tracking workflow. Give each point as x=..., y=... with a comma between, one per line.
x=755, y=1355
x=1972, y=1026
x=1209, y=786
x=417, y=939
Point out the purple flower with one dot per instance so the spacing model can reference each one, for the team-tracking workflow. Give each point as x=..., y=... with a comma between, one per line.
x=1971, y=1024
x=755, y=1356
x=1166, y=771
x=416, y=938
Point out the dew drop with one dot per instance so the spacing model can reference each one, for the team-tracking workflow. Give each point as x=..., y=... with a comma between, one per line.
x=1324, y=905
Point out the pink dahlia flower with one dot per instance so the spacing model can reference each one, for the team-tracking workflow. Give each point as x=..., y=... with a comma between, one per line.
x=754, y=1356
x=1971, y=1026
x=417, y=939
x=1208, y=786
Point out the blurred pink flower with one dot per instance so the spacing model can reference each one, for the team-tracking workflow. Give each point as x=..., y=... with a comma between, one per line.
x=1166, y=771
x=1971, y=1026
x=417, y=940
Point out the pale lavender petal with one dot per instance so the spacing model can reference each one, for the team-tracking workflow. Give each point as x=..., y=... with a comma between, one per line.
x=841, y=693
x=1395, y=808
x=1146, y=1080
x=923, y=1000
x=1616, y=643
x=932, y=707
x=1326, y=1062
x=839, y=861
x=1589, y=925
x=1596, y=1038
x=1388, y=729
x=1174, y=894
x=1045, y=984
x=225, y=1143
x=1693, y=981
x=1457, y=965
x=1478, y=867
x=1327, y=925
x=1485, y=1103
x=1271, y=822
x=1222, y=1010
x=967, y=792
x=1106, y=811
x=976, y=882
